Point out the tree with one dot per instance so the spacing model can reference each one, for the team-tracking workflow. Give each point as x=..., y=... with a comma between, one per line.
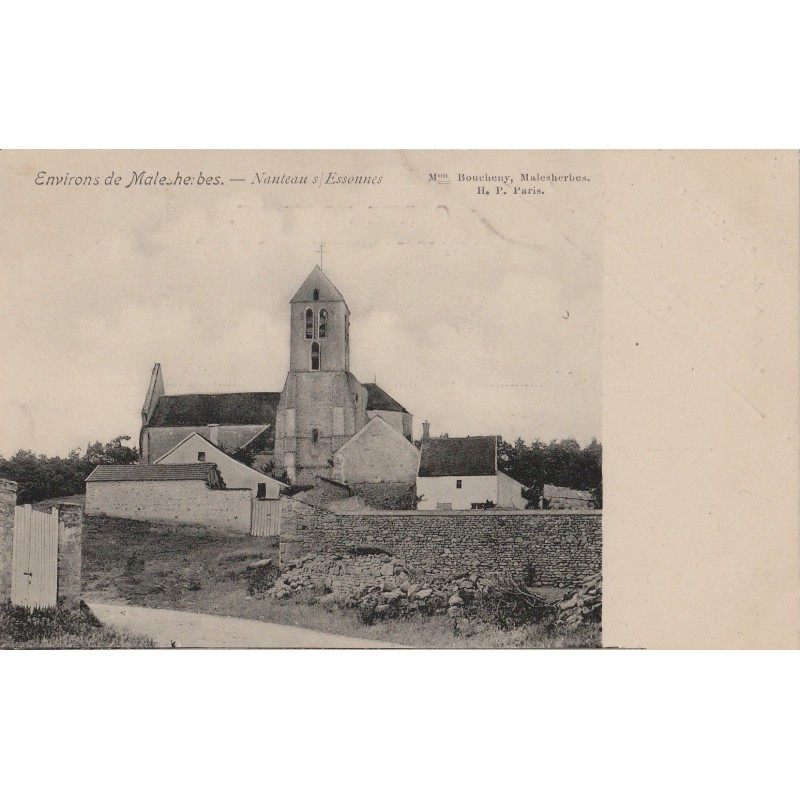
x=43, y=477
x=561, y=463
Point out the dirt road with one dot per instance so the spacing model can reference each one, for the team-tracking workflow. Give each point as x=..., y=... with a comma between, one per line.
x=188, y=629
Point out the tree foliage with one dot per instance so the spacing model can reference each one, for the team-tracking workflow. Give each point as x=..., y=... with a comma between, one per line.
x=40, y=477
x=561, y=463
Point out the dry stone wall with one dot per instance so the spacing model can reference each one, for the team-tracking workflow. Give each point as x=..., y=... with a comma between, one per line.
x=548, y=548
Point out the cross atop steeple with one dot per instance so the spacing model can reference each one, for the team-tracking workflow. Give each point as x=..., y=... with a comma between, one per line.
x=321, y=251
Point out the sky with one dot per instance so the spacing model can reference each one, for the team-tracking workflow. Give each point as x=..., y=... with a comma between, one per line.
x=479, y=311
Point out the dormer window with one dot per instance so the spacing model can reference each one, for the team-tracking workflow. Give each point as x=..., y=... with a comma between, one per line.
x=315, y=356
x=323, y=323
x=316, y=294
x=309, y=324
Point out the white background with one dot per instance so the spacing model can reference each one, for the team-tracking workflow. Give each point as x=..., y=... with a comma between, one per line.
x=626, y=724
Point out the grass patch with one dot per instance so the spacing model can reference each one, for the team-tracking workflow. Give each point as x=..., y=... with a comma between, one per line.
x=60, y=628
x=194, y=569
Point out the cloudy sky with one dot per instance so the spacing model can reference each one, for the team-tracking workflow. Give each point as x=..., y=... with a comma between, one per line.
x=480, y=312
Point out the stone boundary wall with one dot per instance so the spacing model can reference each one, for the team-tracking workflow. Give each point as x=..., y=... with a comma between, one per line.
x=542, y=547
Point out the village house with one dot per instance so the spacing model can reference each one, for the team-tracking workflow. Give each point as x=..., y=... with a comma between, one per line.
x=185, y=494
x=236, y=475
x=459, y=473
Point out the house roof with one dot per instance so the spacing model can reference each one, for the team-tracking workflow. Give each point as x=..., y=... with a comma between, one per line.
x=216, y=454
x=379, y=400
x=236, y=408
x=320, y=281
x=153, y=472
x=470, y=455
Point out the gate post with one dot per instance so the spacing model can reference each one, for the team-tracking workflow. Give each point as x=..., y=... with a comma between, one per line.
x=70, y=533
x=8, y=502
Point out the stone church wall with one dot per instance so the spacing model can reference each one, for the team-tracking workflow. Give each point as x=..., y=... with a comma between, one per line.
x=180, y=502
x=545, y=547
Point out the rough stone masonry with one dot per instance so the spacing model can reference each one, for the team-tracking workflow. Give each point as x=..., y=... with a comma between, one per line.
x=548, y=548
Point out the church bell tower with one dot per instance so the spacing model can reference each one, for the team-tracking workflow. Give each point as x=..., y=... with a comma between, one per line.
x=322, y=405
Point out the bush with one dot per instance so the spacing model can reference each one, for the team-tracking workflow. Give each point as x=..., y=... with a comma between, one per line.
x=261, y=578
x=60, y=628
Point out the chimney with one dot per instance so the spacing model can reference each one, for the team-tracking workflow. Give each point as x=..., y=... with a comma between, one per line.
x=213, y=433
x=426, y=431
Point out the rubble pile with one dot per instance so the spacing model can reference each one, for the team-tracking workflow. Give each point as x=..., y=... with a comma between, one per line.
x=582, y=605
x=380, y=583
x=380, y=586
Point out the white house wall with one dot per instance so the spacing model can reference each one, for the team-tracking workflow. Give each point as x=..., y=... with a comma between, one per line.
x=509, y=492
x=474, y=489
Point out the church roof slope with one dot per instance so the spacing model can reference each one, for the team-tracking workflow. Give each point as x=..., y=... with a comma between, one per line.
x=237, y=408
x=317, y=280
x=153, y=472
x=454, y=456
x=379, y=400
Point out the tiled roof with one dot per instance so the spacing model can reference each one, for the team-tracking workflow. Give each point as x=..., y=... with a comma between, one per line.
x=237, y=408
x=317, y=280
x=378, y=400
x=470, y=455
x=153, y=472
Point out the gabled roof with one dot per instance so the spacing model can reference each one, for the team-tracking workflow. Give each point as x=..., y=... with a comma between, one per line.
x=375, y=423
x=153, y=472
x=237, y=408
x=320, y=281
x=457, y=456
x=379, y=400
x=216, y=455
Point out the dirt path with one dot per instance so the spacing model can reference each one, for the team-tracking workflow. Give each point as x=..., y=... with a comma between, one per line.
x=208, y=630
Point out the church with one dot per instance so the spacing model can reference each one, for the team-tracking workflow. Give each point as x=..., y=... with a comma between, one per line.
x=324, y=423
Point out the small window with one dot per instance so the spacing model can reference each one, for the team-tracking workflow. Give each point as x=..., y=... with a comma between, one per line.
x=323, y=323
x=262, y=491
x=315, y=436
x=458, y=484
x=201, y=456
x=315, y=360
x=316, y=294
x=309, y=324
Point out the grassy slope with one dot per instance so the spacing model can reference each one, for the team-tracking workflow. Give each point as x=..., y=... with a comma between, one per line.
x=59, y=628
x=191, y=569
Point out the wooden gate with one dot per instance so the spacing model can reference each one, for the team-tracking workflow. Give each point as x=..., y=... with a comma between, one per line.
x=266, y=519
x=34, y=563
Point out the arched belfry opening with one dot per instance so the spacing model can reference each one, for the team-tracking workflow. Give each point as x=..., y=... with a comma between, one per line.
x=315, y=356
